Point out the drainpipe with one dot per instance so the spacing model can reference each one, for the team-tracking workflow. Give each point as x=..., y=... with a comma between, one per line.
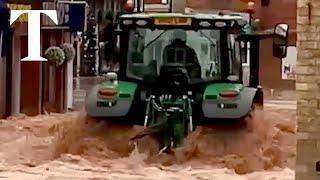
x=79, y=42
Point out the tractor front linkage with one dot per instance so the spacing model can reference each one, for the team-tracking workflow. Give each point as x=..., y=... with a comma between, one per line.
x=170, y=117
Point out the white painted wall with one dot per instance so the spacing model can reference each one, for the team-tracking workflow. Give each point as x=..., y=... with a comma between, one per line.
x=16, y=76
x=69, y=82
x=21, y=30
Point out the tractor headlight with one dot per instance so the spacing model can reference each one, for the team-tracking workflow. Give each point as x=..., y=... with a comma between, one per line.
x=127, y=22
x=220, y=24
x=141, y=22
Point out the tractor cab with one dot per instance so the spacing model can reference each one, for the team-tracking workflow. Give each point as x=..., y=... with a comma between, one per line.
x=199, y=45
x=207, y=47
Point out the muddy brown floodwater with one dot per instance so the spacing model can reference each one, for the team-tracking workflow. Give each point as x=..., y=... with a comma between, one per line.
x=68, y=146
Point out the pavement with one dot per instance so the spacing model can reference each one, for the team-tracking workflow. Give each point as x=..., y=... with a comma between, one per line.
x=281, y=104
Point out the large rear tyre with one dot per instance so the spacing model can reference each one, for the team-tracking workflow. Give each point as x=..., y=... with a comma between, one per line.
x=249, y=119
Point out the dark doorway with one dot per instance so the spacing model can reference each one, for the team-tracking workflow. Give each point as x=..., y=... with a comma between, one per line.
x=9, y=61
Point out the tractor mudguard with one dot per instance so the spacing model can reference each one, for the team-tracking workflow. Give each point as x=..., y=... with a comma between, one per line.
x=119, y=106
x=216, y=107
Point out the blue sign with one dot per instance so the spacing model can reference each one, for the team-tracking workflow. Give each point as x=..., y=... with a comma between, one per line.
x=4, y=27
x=77, y=17
x=3, y=4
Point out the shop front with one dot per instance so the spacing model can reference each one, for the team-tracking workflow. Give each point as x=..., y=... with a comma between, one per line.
x=24, y=95
x=27, y=82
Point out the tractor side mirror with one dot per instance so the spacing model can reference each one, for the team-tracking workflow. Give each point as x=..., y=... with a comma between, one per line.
x=116, y=41
x=280, y=40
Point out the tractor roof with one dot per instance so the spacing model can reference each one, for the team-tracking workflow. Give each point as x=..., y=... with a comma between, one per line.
x=207, y=16
x=190, y=20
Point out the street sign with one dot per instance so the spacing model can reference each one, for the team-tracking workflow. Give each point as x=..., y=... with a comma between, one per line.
x=77, y=17
x=71, y=14
x=4, y=30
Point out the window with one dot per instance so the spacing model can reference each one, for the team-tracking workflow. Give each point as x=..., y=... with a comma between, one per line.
x=150, y=50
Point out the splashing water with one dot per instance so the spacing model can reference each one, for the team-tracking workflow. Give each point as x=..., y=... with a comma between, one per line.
x=42, y=141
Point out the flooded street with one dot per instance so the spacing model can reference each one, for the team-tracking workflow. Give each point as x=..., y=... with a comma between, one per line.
x=68, y=146
x=72, y=146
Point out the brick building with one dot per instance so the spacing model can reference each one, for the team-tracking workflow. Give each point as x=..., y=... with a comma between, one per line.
x=269, y=14
x=308, y=146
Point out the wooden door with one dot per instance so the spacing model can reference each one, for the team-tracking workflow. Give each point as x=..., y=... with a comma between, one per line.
x=30, y=88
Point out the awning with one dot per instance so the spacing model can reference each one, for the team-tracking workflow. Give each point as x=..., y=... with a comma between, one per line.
x=4, y=28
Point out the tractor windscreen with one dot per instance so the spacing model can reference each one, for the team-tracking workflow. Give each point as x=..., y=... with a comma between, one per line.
x=196, y=51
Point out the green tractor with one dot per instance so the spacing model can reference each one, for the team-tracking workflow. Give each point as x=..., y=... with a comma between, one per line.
x=179, y=71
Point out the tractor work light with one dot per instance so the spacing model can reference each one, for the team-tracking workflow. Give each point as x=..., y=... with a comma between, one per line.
x=220, y=24
x=229, y=94
x=127, y=22
x=129, y=6
x=251, y=7
x=141, y=22
x=204, y=24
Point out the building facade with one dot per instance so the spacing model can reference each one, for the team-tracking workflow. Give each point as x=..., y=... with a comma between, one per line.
x=25, y=84
x=308, y=88
x=4, y=30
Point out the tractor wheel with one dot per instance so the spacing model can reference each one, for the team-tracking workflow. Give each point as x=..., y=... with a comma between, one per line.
x=249, y=118
x=248, y=121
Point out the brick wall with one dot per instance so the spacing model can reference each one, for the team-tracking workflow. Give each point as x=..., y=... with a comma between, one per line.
x=271, y=14
x=308, y=88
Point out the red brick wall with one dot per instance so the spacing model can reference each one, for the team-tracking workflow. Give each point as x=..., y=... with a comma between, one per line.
x=279, y=11
x=216, y=4
x=276, y=11
x=152, y=1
